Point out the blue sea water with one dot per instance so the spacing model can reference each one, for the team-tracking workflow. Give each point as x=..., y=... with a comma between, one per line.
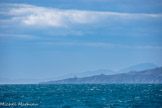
x=82, y=96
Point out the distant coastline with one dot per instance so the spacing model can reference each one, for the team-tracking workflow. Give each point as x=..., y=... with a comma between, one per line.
x=151, y=76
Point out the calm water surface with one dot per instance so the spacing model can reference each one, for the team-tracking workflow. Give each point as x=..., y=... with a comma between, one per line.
x=82, y=96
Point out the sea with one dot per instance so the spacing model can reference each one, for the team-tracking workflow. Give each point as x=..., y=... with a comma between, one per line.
x=81, y=96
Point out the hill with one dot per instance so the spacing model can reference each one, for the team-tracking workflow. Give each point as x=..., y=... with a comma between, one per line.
x=147, y=76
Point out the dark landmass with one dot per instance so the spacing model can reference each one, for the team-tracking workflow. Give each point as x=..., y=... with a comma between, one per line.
x=153, y=76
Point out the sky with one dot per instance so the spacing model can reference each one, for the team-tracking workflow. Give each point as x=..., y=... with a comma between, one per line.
x=51, y=38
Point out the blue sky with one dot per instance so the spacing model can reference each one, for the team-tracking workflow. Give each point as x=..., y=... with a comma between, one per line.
x=50, y=38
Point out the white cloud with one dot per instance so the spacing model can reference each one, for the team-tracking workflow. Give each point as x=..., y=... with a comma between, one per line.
x=19, y=36
x=149, y=47
x=43, y=16
x=99, y=44
x=90, y=44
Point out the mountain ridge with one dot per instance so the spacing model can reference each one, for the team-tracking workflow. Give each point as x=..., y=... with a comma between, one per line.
x=138, y=67
x=146, y=76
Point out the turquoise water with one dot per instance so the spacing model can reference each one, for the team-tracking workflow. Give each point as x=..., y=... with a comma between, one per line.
x=82, y=96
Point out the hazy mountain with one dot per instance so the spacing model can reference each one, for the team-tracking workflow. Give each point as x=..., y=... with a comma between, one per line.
x=86, y=74
x=147, y=76
x=138, y=67
x=96, y=72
